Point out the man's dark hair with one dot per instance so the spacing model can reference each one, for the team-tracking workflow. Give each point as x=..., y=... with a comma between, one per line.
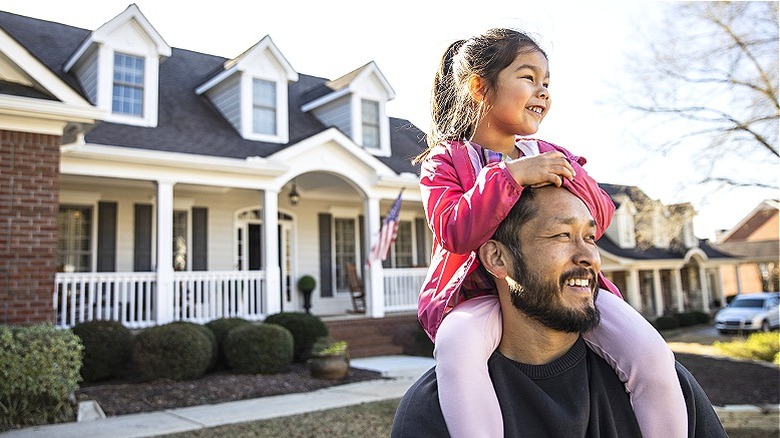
x=523, y=211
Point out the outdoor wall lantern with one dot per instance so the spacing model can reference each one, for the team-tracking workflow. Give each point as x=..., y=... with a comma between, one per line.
x=295, y=197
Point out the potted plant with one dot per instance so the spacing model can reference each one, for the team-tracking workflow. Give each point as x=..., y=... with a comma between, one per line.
x=329, y=360
x=306, y=285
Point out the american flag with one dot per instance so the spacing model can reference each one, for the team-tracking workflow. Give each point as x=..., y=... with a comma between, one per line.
x=387, y=233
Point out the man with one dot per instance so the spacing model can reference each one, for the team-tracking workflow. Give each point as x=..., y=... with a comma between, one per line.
x=548, y=382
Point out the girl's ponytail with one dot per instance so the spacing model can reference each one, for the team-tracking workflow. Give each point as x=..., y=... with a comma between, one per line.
x=443, y=97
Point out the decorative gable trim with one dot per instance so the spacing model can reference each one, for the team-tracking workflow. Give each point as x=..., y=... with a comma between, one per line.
x=366, y=83
x=30, y=114
x=129, y=33
x=234, y=98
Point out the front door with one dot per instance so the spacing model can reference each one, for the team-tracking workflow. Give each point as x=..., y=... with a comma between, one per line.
x=250, y=253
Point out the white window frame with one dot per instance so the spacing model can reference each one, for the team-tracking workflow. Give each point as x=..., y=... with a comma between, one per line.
x=365, y=124
x=273, y=107
x=128, y=85
x=247, y=109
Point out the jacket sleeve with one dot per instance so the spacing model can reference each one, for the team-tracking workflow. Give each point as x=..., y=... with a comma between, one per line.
x=599, y=203
x=462, y=213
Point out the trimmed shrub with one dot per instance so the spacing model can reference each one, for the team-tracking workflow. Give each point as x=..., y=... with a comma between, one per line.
x=701, y=317
x=176, y=351
x=686, y=319
x=305, y=329
x=108, y=349
x=757, y=346
x=263, y=348
x=212, y=340
x=667, y=323
x=221, y=327
x=39, y=366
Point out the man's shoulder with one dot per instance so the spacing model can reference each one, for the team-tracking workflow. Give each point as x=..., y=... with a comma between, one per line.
x=419, y=413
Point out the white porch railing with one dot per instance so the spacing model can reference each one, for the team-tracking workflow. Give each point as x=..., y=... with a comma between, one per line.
x=206, y=295
x=125, y=297
x=131, y=297
x=202, y=296
x=402, y=288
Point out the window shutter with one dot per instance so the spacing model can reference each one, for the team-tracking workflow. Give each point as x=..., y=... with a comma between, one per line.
x=420, y=230
x=200, y=238
x=106, y=237
x=142, y=238
x=326, y=264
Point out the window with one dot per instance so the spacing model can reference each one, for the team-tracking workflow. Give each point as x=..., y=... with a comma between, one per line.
x=370, y=117
x=346, y=249
x=402, y=249
x=180, y=240
x=75, y=241
x=264, y=107
x=128, y=96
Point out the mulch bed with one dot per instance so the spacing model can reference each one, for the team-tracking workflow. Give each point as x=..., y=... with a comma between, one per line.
x=132, y=396
x=734, y=382
x=726, y=382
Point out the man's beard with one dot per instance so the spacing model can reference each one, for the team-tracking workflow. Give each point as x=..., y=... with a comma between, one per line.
x=540, y=299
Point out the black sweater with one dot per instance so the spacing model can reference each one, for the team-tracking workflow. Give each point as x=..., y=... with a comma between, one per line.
x=577, y=395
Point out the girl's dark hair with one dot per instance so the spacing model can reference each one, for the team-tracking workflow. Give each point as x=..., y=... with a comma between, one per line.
x=454, y=114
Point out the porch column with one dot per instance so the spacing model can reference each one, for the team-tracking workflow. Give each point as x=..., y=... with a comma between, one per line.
x=634, y=294
x=273, y=302
x=164, y=305
x=375, y=293
x=678, y=292
x=739, y=280
x=705, y=288
x=659, y=294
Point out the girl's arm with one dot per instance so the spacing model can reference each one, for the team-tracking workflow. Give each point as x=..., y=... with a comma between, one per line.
x=461, y=213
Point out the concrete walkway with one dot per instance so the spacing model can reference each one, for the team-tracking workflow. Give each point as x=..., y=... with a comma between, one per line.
x=401, y=370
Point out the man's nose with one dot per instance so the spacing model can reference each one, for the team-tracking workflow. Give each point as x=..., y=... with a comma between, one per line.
x=587, y=254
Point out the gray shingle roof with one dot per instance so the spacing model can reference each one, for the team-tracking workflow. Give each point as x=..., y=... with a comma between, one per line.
x=188, y=122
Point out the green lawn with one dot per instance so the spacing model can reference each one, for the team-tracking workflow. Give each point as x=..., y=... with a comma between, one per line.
x=368, y=420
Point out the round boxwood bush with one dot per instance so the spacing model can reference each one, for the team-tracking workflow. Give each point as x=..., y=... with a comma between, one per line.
x=667, y=323
x=221, y=327
x=305, y=329
x=212, y=340
x=108, y=348
x=686, y=319
x=263, y=348
x=173, y=351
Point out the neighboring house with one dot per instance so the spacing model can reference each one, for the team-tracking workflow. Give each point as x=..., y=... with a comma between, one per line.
x=755, y=241
x=650, y=252
x=148, y=184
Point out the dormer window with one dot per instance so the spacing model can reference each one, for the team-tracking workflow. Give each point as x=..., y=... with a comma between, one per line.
x=264, y=107
x=370, y=118
x=128, y=89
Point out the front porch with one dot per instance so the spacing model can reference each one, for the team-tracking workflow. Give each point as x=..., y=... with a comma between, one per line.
x=145, y=299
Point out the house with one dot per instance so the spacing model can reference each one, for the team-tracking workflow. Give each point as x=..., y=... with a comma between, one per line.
x=147, y=184
x=650, y=252
x=150, y=183
x=755, y=242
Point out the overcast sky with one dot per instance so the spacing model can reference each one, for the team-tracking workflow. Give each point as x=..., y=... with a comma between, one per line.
x=586, y=43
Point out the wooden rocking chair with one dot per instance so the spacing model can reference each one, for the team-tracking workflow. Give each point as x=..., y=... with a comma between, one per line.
x=356, y=289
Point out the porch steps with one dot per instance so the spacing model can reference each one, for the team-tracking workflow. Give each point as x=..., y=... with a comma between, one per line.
x=368, y=337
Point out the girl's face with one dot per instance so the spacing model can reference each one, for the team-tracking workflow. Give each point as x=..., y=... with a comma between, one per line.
x=520, y=99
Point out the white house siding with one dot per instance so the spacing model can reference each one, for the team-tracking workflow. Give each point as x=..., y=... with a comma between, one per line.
x=337, y=113
x=227, y=98
x=87, y=74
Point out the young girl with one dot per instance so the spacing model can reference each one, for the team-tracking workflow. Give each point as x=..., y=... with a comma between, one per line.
x=487, y=91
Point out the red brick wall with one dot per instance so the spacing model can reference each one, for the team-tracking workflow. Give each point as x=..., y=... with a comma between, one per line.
x=29, y=198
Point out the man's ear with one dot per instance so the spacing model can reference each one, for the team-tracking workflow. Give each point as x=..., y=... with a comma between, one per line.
x=494, y=256
x=477, y=87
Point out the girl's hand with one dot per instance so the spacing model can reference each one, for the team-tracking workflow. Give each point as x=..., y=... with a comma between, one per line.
x=541, y=170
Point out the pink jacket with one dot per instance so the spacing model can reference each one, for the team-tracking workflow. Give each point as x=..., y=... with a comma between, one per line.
x=464, y=203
